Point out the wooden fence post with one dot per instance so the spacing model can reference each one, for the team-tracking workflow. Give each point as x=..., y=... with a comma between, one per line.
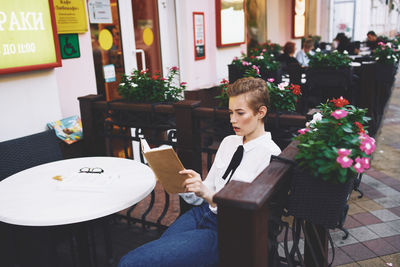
x=93, y=144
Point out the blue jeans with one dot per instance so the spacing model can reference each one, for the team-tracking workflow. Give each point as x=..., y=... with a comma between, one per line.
x=192, y=240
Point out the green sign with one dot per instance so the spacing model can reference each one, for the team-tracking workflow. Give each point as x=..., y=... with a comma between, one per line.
x=27, y=36
x=69, y=45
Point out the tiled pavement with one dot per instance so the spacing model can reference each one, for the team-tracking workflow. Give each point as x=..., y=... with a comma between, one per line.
x=373, y=221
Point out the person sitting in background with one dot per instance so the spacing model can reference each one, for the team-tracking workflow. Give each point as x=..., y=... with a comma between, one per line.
x=301, y=56
x=287, y=57
x=372, y=40
x=342, y=42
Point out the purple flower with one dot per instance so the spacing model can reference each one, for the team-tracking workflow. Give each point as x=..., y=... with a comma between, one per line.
x=345, y=161
x=339, y=113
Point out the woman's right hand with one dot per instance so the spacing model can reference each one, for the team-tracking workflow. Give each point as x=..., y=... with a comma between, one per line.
x=195, y=184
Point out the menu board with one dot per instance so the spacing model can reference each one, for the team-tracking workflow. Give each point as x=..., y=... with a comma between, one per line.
x=28, y=36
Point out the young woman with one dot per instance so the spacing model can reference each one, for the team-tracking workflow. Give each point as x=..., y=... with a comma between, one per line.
x=192, y=240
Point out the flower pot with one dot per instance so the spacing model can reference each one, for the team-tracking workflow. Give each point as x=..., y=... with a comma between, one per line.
x=317, y=201
x=385, y=72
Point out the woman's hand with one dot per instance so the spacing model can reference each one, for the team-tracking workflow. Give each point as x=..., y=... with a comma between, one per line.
x=195, y=184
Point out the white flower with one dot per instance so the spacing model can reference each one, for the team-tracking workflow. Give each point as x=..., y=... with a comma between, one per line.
x=317, y=116
x=272, y=55
x=259, y=57
x=389, y=45
x=388, y=57
x=282, y=86
x=307, y=124
x=335, y=51
x=345, y=52
x=377, y=58
x=122, y=84
x=318, y=50
x=133, y=84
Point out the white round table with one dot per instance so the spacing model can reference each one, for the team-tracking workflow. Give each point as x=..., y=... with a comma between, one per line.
x=34, y=198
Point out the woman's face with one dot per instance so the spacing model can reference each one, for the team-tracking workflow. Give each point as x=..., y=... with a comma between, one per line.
x=244, y=120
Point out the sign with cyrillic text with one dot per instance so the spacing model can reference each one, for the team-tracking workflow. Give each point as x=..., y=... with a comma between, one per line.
x=70, y=16
x=28, y=36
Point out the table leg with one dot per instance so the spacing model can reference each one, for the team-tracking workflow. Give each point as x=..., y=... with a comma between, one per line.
x=82, y=240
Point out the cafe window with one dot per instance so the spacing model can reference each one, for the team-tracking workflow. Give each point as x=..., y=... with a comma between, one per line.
x=342, y=17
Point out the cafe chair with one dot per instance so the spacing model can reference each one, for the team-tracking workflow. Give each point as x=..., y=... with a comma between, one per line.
x=22, y=153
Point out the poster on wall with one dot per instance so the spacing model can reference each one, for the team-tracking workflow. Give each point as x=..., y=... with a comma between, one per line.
x=299, y=18
x=28, y=36
x=100, y=11
x=199, y=38
x=230, y=22
x=70, y=16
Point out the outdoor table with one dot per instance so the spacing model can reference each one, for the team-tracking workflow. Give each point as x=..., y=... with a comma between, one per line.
x=62, y=192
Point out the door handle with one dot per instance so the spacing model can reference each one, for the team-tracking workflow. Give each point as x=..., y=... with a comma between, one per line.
x=141, y=51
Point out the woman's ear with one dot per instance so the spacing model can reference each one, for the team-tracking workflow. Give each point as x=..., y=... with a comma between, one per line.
x=262, y=112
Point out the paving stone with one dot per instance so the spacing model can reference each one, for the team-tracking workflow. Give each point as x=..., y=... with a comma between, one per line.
x=389, y=202
x=380, y=247
x=375, y=262
x=373, y=194
x=366, y=218
x=358, y=252
x=393, y=258
x=362, y=233
x=354, y=264
x=395, y=225
x=374, y=183
x=390, y=181
x=340, y=257
x=394, y=241
x=354, y=209
x=388, y=191
x=383, y=229
x=351, y=222
x=369, y=205
x=337, y=238
x=395, y=210
x=385, y=215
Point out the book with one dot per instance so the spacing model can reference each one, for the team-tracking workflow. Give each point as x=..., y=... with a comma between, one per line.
x=165, y=164
x=69, y=129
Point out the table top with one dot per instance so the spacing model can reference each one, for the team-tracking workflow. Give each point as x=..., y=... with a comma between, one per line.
x=34, y=198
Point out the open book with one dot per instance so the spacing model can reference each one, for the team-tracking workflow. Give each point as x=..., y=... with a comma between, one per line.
x=165, y=164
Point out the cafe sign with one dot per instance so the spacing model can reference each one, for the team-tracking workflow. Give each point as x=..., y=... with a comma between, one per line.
x=28, y=36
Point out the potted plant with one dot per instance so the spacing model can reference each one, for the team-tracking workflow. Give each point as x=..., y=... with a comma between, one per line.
x=332, y=150
x=329, y=75
x=264, y=64
x=386, y=56
x=140, y=86
x=284, y=96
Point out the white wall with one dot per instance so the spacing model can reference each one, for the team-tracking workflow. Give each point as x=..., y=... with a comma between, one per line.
x=27, y=102
x=76, y=78
x=209, y=71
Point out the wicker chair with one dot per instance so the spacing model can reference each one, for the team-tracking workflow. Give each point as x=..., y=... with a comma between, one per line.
x=28, y=151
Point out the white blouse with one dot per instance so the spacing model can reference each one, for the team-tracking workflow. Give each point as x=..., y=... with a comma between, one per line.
x=256, y=156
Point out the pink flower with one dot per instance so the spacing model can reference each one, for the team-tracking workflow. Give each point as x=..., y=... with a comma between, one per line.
x=381, y=43
x=235, y=58
x=264, y=50
x=256, y=68
x=303, y=131
x=367, y=144
x=365, y=163
x=343, y=152
x=282, y=86
x=345, y=161
x=358, y=166
x=271, y=80
x=339, y=113
x=245, y=63
x=183, y=83
x=174, y=68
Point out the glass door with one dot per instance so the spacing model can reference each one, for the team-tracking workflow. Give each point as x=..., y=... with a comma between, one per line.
x=147, y=35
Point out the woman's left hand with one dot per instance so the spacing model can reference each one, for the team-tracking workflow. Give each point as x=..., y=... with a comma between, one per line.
x=195, y=184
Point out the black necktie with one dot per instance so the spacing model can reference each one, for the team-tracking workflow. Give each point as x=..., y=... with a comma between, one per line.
x=235, y=161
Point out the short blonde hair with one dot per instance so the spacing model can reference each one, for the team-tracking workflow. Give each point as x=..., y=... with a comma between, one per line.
x=256, y=90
